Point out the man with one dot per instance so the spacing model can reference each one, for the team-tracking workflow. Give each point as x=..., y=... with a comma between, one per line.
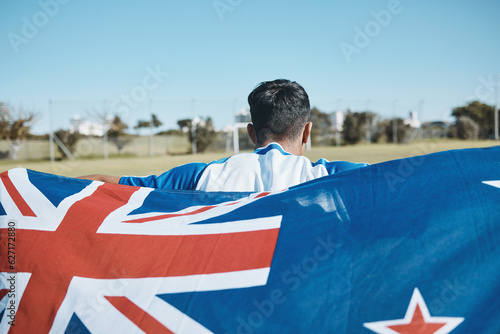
x=280, y=129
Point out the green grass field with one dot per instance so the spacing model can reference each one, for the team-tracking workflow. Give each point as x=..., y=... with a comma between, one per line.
x=131, y=165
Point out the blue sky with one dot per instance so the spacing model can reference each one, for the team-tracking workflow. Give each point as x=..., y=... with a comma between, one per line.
x=390, y=56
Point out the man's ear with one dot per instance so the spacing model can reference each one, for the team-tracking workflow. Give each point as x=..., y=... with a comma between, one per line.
x=251, y=133
x=307, y=132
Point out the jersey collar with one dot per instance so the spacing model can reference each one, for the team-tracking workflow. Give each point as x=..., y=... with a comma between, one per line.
x=271, y=146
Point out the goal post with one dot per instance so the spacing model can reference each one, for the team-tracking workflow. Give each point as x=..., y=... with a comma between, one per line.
x=236, y=138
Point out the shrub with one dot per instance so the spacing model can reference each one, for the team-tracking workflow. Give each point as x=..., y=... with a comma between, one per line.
x=466, y=128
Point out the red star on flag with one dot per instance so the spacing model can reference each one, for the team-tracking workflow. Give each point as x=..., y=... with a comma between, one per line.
x=417, y=320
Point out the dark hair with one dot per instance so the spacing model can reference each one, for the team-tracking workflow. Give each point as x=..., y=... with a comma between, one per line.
x=279, y=110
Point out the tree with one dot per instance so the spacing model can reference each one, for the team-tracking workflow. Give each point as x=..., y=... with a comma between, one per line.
x=356, y=125
x=204, y=132
x=377, y=128
x=69, y=139
x=15, y=127
x=117, y=133
x=351, y=130
x=400, y=126
x=321, y=132
x=142, y=124
x=482, y=114
x=466, y=128
x=185, y=124
x=153, y=123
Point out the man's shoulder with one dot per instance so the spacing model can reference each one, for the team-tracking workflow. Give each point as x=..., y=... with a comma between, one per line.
x=183, y=176
x=189, y=168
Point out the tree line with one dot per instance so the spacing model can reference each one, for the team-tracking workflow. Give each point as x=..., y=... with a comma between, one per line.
x=474, y=120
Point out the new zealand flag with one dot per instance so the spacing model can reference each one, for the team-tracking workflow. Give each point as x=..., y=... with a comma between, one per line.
x=405, y=246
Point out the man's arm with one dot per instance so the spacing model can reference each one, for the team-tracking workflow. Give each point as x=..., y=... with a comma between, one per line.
x=101, y=177
x=182, y=177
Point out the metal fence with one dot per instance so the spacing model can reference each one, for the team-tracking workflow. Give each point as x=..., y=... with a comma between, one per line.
x=90, y=147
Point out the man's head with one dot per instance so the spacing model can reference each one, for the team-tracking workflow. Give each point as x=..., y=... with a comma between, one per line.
x=280, y=112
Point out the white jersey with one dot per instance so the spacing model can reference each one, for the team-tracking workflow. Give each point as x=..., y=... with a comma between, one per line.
x=266, y=169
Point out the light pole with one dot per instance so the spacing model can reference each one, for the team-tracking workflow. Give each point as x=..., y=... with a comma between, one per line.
x=51, y=134
x=394, y=123
x=496, y=106
x=420, y=117
x=193, y=128
x=368, y=123
x=106, y=127
x=152, y=132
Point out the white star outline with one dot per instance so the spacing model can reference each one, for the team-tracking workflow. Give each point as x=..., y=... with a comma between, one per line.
x=381, y=327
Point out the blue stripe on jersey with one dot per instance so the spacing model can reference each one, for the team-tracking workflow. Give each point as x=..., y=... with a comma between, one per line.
x=269, y=147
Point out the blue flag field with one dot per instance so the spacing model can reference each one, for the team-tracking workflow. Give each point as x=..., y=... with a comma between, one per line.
x=405, y=246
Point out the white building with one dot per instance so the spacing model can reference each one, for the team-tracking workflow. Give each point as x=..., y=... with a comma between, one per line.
x=243, y=116
x=86, y=127
x=337, y=120
x=413, y=120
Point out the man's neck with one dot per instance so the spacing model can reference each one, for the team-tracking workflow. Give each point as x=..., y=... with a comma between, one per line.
x=290, y=147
